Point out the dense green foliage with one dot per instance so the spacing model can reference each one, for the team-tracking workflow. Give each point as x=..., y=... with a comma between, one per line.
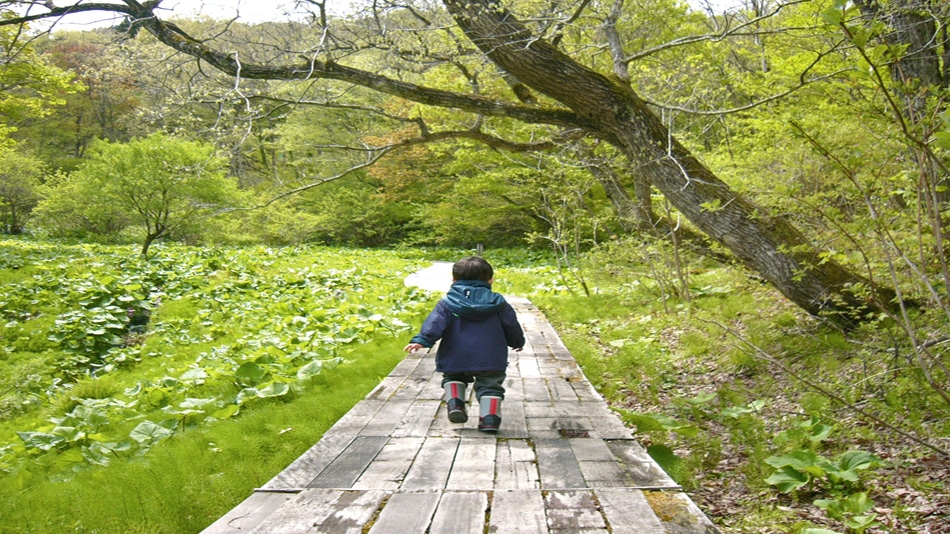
x=105, y=354
x=771, y=420
x=158, y=186
x=220, y=366
x=191, y=479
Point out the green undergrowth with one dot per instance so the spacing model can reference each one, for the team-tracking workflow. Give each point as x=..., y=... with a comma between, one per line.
x=749, y=403
x=153, y=397
x=187, y=482
x=145, y=387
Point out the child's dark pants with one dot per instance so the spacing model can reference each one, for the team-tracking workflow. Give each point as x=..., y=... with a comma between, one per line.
x=490, y=384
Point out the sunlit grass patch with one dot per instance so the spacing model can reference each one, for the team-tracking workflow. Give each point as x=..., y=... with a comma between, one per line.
x=188, y=481
x=135, y=354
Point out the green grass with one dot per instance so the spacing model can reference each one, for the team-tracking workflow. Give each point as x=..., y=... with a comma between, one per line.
x=269, y=313
x=689, y=371
x=692, y=373
x=187, y=482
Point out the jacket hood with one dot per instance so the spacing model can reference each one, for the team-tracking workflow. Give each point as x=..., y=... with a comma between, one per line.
x=473, y=299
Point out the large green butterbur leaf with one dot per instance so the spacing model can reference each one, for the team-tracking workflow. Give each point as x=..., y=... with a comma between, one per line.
x=148, y=433
x=787, y=478
x=274, y=389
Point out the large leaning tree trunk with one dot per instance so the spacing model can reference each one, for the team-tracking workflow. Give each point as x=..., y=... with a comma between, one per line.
x=613, y=112
x=604, y=109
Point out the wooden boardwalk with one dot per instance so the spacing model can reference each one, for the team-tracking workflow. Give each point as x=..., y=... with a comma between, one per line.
x=561, y=463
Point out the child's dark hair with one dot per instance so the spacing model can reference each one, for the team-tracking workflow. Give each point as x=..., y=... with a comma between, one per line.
x=472, y=268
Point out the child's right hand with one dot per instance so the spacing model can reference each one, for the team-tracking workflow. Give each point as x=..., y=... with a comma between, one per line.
x=412, y=347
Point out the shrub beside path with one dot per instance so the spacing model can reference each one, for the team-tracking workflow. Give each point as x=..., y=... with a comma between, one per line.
x=561, y=463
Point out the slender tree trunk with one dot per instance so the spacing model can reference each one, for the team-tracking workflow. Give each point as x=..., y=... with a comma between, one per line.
x=643, y=193
x=613, y=112
x=149, y=239
x=914, y=24
x=624, y=207
x=636, y=215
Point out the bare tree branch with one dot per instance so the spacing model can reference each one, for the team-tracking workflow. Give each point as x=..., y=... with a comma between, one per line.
x=727, y=32
x=755, y=104
x=229, y=63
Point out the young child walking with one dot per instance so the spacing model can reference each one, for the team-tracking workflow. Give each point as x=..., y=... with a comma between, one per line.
x=476, y=326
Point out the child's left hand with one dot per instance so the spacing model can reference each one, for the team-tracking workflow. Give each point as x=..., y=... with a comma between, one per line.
x=412, y=347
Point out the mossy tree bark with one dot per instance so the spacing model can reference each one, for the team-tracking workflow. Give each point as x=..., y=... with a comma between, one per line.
x=611, y=111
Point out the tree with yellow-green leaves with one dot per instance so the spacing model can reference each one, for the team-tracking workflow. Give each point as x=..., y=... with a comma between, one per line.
x=30, y=87
x=511, y=61
x=161, y=185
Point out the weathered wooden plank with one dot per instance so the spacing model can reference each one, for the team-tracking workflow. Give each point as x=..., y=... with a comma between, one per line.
x=605, y=475
x=432, y=465
x=460, y=513
x=517, y=512
x=350, y=513
x=545, y=328
x=249, y=514
x=557, y=465
x=535, y=338
x=569, y=371
x=678, y=513
x=407, y=366
x=610, y=426
x=642, y=470
x=324, y=510
x=516, y=466
x=433, y=390
x=386, y=388
x=558, y=349
x=514, y=389
x=551, y=368
x=408, y=387
x=389, y=468
x=426, y=366
x=591, y=450
x=350, y=464
x=520, y=303
x=474, y=465
x=535, y=390
x=355, y=419
x=513, y=423
x=411, y=387
x=559, y=427
x=627, y=510
x=585, y=391
x=528, y=368
x=298, y=514
x=418, y=419
x=564, y=409
x=562, y=390
x=406, y=513
x=628, y=450
x=385, y=421
x=512, y=371
x=573, y=511
x=306, y=468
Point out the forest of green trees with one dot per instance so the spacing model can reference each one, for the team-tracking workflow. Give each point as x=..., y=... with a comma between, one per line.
x=804, y=143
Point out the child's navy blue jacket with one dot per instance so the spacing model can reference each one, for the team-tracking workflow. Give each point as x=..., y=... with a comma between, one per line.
x=476, y=327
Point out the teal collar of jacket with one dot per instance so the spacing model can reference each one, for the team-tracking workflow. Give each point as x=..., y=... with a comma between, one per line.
x=473, y=298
